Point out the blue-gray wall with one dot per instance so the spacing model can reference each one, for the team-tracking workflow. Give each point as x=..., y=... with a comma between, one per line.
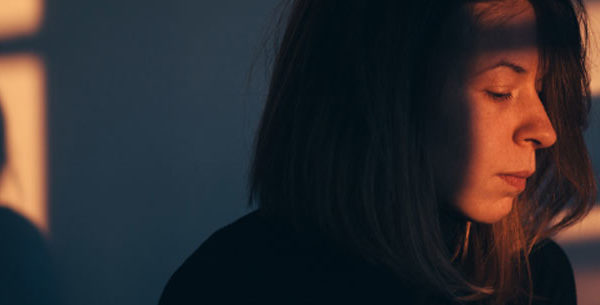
x=150, y=122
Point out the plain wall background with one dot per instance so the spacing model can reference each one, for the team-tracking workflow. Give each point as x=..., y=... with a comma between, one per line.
x=150, y=125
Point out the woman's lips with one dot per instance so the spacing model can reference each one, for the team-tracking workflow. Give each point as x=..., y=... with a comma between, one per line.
x=517, y=181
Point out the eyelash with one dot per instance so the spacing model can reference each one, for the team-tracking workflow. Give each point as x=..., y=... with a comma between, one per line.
x=499, y=96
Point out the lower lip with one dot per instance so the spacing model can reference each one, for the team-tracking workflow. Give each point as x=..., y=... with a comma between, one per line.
x=515, y=181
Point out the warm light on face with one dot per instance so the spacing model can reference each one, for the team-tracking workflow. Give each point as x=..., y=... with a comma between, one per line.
x=20, y=17
x=499, y=116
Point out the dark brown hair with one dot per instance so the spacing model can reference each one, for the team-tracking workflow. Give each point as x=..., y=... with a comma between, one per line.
x=340, y=145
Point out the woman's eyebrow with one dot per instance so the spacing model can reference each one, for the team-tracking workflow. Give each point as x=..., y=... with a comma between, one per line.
x=505, y=63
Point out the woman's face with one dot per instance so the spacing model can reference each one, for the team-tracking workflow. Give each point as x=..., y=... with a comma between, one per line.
x=502, y=117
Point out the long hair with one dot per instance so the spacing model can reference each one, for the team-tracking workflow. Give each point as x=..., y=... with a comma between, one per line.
x=340, y=147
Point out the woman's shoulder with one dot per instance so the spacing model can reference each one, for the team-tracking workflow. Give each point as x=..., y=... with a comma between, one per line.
x=257, y=260
x=552, y=274
x=548, y=250
x=251, y=238
x=241, y=258
x=242, y=234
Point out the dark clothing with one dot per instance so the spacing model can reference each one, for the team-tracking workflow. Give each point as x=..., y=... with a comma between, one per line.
x=26, y=271
x=256, y=261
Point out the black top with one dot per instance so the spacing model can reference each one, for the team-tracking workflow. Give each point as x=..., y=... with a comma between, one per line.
x=27, y=275
x=255, y=261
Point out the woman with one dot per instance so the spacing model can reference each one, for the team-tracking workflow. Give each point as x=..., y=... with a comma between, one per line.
x=411, y=152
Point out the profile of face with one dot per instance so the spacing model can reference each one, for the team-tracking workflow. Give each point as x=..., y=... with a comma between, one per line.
x=502, y=117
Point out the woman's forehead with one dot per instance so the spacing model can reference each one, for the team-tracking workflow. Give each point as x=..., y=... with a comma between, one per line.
x=504, y=26
x=498, y=12
x=505, y=32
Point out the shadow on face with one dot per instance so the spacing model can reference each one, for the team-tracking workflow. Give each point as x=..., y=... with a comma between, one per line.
x=491, y=120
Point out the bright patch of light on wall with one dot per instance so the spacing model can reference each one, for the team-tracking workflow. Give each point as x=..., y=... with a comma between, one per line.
x=20, y=17
x=22, y=98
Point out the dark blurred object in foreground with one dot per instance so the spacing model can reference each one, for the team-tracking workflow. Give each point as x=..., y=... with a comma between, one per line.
x=26, y=272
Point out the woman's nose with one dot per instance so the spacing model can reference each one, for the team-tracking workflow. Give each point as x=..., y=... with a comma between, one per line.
x=535, y=127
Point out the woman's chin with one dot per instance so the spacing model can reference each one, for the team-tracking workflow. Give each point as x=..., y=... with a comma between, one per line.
x=486, y=211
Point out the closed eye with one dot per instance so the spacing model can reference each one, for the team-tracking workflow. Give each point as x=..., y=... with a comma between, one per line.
x=499, y=96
